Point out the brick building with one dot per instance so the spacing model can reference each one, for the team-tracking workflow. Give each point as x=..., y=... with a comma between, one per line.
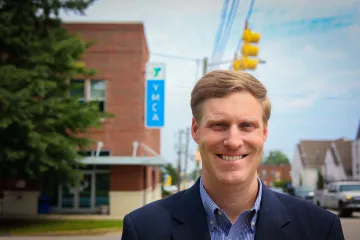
x=126, y=173
x=270, y=173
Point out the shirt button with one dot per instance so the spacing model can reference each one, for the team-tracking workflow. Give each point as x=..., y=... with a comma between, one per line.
x=211, y=222
x=219, y=213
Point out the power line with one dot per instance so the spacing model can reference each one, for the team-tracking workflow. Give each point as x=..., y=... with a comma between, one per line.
x=250, y=10
x=247, y=19
x=175, y=57
x=230, y=21
x=220, y=28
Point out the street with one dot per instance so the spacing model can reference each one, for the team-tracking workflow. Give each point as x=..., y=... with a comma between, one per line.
x=350, y=226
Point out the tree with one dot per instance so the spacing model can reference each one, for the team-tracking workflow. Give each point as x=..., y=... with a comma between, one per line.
x=42, y=128
x=173, y=172
x=320, y=180
x=276, y=157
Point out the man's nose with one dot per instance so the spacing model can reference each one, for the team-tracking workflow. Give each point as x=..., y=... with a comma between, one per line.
x=234, y=138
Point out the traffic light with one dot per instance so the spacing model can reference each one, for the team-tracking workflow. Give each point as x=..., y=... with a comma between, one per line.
x=245, y=63
x=249, y=49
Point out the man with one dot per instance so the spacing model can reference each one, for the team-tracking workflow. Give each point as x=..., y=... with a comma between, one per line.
x=231, y=111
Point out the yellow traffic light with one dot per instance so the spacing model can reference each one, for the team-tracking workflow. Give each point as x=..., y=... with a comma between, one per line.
x=238, y=65
x=249, y=50
x=250, y=63
x=249, y=36
x=245, y=63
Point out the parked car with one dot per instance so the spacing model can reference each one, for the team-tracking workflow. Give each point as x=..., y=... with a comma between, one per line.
x=304, y=193
x=342, y=196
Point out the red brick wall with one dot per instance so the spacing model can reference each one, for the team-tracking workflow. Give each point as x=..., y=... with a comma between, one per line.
x=119, y=55
x=271, y=170
x=127, y=178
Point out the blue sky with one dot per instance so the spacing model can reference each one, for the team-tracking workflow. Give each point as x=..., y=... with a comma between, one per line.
x=311, y=48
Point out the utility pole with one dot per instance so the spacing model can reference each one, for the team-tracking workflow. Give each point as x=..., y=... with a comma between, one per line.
x=186, y=155
x=179, y=151
x=205, y=65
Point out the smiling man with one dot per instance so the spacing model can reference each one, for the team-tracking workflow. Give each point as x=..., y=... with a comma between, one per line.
x=231, y=112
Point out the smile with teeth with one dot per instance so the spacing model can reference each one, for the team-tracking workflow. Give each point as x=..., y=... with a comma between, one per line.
x=231, y=158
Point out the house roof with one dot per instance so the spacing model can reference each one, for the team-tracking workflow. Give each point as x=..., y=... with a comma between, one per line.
x=312, y=152
x=341, y=152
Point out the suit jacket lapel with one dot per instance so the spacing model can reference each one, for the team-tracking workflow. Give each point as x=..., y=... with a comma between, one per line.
x=272, y=217
x=189, y=216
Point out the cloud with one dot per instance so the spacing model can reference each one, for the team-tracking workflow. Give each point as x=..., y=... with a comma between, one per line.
x=318, y=54
x=294, y=18
x=295, y=103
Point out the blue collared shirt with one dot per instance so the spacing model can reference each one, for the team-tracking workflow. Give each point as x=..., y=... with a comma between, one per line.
x=220, y=225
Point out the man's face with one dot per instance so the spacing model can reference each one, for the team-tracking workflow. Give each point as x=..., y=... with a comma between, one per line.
x=231, y=135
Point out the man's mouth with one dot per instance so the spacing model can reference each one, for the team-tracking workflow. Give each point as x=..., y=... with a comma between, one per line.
x=231, y=158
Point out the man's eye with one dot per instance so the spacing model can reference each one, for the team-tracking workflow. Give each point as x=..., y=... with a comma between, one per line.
x=219, y=125
x=247, y=125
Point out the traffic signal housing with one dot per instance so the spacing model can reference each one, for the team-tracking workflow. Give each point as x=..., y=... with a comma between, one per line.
x=245, y=63
x=249, y=50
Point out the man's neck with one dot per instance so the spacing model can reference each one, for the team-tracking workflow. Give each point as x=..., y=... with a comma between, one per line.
x=233, y=199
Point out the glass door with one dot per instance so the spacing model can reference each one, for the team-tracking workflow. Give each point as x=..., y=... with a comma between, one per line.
x=86, y=192
x=67, y=196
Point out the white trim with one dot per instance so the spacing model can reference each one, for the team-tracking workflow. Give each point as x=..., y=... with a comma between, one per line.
x=128, y=160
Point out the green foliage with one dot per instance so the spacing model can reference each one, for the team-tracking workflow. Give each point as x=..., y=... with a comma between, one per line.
x=281, y=183
x=173, y=172
x=277, y=158
x=41, y=126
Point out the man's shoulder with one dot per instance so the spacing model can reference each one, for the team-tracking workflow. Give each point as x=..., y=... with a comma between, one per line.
x=298, y=207
x=158, y=209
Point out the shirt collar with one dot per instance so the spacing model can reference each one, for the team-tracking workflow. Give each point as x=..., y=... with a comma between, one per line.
x=211, y=207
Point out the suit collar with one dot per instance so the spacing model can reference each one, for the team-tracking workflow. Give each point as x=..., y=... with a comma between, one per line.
x=192, y=223
x=190, y=215
x=272, y=217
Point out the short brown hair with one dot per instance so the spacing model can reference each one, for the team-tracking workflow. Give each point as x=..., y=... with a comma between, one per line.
x=220, y=83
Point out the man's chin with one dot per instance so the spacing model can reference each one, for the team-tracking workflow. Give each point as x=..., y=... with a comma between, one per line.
x=232, y=178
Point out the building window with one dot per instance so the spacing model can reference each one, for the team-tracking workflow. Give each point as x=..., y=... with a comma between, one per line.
x=102, y=189
x=97, y=93
x=89, y=90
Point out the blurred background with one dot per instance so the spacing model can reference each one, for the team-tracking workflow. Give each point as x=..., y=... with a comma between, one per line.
x=95, y=101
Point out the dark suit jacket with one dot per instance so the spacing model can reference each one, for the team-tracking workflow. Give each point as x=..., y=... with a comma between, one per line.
x=182, y=217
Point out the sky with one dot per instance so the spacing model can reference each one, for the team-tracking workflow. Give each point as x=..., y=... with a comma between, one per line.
x=311, y=49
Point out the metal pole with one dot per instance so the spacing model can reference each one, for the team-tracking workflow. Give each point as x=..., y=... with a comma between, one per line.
x=186, y=155
x=205, y=65
x=179, y=159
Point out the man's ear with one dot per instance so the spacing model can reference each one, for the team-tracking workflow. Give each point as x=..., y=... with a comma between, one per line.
x=266, y=131
x=195, y=130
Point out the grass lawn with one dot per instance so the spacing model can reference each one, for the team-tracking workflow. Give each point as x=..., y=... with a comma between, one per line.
x=57, y=226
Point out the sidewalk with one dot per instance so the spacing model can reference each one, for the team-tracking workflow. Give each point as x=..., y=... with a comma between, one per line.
x=63, y=216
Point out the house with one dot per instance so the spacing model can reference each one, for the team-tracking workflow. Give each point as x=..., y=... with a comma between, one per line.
x=122, y=170
x=338, y=161
x=307, y=161
x=356, y=156
x=270, y=173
